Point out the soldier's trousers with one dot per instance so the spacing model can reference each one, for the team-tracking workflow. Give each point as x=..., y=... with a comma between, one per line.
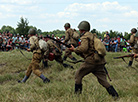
x=34, y=65
x=97, y=70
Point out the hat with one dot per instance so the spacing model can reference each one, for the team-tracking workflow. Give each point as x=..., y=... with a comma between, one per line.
x=21, y=35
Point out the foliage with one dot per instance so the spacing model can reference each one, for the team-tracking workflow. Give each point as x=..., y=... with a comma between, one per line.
x=7, y=29
x=22, y=26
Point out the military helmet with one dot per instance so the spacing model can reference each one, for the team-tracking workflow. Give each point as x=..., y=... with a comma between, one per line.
x=133, y=30
x=136, y=35
x=32, y=31
x=84, y=25
x=67, y=25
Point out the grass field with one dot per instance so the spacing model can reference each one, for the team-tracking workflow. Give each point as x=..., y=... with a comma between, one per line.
x=61, y=88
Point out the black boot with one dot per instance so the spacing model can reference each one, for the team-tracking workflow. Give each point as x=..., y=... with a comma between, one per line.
x=67, y=65
x=64, y=58
x=112, y=92
x=45, y=80
x=78, y=88
x=130, y=63
x=73, y=59
x=45, y=64
x=23, y=80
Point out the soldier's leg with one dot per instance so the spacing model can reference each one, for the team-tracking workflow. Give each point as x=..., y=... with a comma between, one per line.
x=27, y=75
x=101, y=76
x=130, y=62
x=36, y=71
x=81, y=72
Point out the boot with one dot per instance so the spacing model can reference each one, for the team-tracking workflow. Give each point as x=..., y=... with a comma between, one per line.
x=78, y=88
x=45, y=64
x=67, y=65
x=112, y=92
x=130, y=63
x=73, y=59
x=64, y=58
x=23, y=80
x=45, y=80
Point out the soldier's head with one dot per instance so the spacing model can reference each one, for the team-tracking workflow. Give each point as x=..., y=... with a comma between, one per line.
x=67, y=26
x=32, y=31
x=84, y=26
x=133, y=30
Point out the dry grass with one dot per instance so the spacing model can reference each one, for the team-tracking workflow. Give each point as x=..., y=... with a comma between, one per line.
x=61, y=88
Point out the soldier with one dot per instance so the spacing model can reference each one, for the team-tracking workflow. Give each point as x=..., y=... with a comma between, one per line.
x=55, y=49
x=133, y=43
x=70, y=40
x=36, y=59
x=94, y=60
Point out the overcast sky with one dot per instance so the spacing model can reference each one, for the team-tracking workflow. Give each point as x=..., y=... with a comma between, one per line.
x=48, y=15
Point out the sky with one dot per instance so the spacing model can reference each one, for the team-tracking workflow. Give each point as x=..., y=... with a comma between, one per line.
x=49, y=15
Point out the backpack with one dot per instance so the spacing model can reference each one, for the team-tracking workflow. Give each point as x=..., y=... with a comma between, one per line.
x=75, y=36
x=42, y=45
x=99, y=47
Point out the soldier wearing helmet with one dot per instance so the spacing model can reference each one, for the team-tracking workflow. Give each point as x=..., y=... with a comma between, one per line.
x=36, y=59
x=91, y=64
x=69, y=40
x=133, y=42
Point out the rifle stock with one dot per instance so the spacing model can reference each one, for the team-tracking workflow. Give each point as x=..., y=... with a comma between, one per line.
x=130, y=55
x=69, y=46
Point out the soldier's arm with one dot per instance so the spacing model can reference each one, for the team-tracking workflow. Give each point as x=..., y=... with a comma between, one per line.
x=66, y=36
x=83, y=47
x=32, y=44
x=131, y=41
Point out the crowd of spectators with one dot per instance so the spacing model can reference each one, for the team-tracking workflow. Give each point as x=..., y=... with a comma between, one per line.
x=116, y=44
x=9, y=41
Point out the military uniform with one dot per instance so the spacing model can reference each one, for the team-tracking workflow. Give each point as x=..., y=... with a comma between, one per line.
x=91, y=64
x=70, y=40
x=133, y=42
x=94, y=60
x=36, y=59
x=54, y=48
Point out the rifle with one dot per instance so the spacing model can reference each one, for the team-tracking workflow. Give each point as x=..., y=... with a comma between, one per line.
x=69, y=46
x=130, y=55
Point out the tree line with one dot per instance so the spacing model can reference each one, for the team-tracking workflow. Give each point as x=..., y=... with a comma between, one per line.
x=23, y=28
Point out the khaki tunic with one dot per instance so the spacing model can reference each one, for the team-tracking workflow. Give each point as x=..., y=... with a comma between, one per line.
x=91, y=64
x=132, y=42
x=36, y=59
x=70, y=40
x=54, y=48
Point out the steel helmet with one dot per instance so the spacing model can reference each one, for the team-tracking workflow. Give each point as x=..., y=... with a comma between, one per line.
x=67, y=25
x=133, y=30
x=32, y=31
x=84, y=25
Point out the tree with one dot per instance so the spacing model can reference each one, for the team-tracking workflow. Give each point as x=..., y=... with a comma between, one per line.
x=8, y=29
x=22, y=26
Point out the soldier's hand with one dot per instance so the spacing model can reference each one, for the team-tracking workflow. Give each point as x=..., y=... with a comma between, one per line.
x=28, y=50
x=72, y=48
x=135, y=55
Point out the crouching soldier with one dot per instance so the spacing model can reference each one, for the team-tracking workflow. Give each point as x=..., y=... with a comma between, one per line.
x=93, y=52
x=36, y=59
x=53, y=52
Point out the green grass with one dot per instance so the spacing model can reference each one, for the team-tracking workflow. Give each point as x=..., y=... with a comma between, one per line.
x=61, y=88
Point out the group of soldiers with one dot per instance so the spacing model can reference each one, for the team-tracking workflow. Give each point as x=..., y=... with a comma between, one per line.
x=94, y=58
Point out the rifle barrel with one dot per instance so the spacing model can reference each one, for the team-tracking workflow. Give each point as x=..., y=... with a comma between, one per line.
x=59, y=41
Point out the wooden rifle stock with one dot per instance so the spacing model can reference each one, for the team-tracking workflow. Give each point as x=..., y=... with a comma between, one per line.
x=69, y=46
x=130, y=55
